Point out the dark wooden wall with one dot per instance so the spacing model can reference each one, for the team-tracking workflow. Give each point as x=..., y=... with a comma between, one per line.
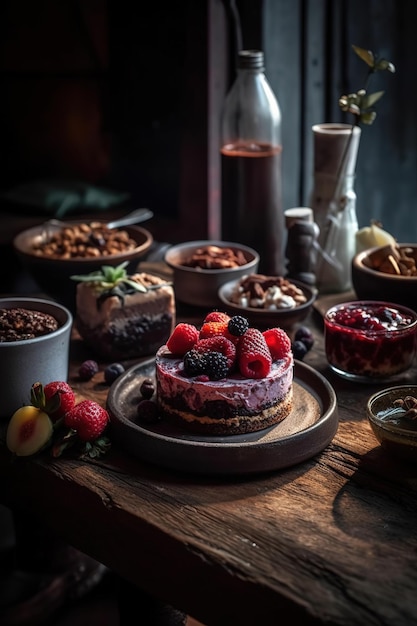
x=310, y=63
x=131, y=97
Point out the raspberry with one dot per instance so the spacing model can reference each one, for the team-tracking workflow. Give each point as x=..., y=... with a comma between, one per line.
x=88, y=369
x=112, y=372
x=147, y=388
x=216, y=316
x=182, y=339
x=88, y=418
x=212, y=329
x=278, y=342
x=238, y=325
x=59, y=398
x=218, y=344
x=253, y=355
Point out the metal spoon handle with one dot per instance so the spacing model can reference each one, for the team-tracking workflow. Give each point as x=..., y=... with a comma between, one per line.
x=140, y=215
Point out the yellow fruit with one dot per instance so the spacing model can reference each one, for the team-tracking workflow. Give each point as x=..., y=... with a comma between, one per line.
x=28, y=431
x=372, y=236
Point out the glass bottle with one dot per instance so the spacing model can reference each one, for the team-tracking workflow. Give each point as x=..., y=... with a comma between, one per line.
x=251, y=147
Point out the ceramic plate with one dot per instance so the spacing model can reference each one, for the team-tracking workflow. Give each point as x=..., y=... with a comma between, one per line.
x=308, y=429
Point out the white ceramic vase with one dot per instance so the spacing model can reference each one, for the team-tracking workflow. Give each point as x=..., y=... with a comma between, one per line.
x=333, y=201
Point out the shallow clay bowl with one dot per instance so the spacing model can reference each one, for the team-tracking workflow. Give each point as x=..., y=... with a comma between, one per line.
x=266, y=318
x=54, y=275
x=396, y=435
x=199, y=287
x=373, y=284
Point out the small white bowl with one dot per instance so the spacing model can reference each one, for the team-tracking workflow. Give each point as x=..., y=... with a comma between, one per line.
x=197, y=286
x=42, y=359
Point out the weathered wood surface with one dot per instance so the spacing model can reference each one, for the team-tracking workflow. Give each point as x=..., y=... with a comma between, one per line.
x=332, y=540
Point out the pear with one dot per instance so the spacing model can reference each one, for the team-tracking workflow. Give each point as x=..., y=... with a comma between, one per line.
x=28, y=431
x=373, y=236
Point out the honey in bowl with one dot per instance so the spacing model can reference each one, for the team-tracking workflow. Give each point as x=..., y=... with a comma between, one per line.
x=367, y=340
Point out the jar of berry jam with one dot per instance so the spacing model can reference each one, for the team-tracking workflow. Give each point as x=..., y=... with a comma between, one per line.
x=370, y=340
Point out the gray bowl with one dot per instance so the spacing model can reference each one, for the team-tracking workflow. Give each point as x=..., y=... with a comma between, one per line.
x=199, y=287
x=42, y=359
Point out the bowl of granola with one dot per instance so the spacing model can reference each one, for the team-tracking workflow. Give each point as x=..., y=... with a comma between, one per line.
x=268, y=301
x=200, y=268
x=387, y=273
x=52, y=253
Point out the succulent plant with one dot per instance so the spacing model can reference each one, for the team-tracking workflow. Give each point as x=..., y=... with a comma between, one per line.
x=115, y=281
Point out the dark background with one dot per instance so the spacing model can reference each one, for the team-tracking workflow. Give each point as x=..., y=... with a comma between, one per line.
x=129, y=97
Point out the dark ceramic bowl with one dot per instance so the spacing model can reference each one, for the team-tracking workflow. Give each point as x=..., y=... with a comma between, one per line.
x=199, y=287
x=396, y=434
x=41, y=359
x=372, y=284
x=267, y=318
x=53, y=275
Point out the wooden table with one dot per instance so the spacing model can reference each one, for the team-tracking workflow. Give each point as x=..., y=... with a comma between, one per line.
x=332, y=540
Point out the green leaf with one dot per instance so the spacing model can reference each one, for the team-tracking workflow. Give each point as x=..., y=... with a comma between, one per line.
x=369, y=101
x=368, y=117
x=365, y=55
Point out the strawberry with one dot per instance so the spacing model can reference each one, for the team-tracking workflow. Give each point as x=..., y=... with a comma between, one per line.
x=182, y=339
x=216, y=316
x=218, y=344
x=59, y=398
x=253, y=355
x=88, y=418
x=278, y=342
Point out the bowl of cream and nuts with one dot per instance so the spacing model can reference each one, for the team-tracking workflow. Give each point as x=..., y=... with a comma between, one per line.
x=268, y=301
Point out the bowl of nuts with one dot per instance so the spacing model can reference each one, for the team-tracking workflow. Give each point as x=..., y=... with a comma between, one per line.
x=387, y=273
x=200, y=268
x=52, y=253
x=392, y=415
x=268, y=301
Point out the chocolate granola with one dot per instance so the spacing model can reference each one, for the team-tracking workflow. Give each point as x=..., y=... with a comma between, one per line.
x=18, y=324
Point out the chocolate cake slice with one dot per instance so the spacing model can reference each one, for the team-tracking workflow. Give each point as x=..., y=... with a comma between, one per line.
x=126, y=318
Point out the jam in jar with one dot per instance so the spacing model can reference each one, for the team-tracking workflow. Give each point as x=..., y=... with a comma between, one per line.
x=370, y=339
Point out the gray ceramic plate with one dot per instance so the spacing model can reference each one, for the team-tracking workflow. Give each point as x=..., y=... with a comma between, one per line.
x=308, y=429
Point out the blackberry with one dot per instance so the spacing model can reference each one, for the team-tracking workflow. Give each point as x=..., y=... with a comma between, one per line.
x=112, y=372
x=299, y=349
x=238, y=325
x=88, y=369
x=215, y=365
x=194, y=363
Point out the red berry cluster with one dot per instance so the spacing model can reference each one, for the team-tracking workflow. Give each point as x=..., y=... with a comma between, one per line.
x=247, y=350
x=74, y=423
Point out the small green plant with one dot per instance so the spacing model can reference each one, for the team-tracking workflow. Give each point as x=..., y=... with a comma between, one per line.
x=361, y=104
